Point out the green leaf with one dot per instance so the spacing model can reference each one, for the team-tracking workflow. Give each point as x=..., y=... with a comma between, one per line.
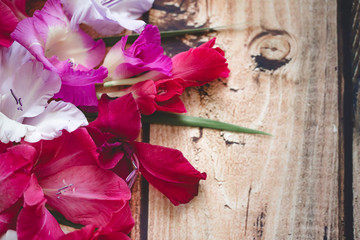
x=111, y=41
x=184, y=120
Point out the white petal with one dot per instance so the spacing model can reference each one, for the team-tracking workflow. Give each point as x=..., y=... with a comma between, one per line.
x=11, y=59
x=108, y=20
x=9, y=235
x=57, y=116
x=32, y=86
x=12, y=131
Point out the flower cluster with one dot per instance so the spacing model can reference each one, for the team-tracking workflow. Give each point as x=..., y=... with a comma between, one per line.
x=52, y=159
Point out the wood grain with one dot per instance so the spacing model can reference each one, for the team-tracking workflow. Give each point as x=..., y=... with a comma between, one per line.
x=356, y=130
x=284, y=81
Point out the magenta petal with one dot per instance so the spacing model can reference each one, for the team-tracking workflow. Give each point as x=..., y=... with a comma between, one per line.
x=168, y=88
x=86, y=194
x=110, y=153
x=79, y=96
x=33, y=194
x=6, y=16
x=9, y=216
x=144, y=93
x=78, y=86
x=145, y=54
x=15, y=166
x=120, y=117
x=200, y=65
x=35, y=221
x=122, y=221
x=68, y=150
x=172, y=105
x=169, y=171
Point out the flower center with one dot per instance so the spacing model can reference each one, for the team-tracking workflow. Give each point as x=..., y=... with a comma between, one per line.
x=18, y=100
x=109, y=3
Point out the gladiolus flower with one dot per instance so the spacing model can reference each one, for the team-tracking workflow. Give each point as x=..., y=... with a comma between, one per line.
x=165, y=168
x=70, y=53
x=155, y=90
x=25, y=90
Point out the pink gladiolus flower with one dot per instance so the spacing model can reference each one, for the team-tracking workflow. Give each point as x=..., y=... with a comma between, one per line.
x=70, y=53
x=107, y=17
x=11, y=12
x=164, y=168
x=73, y=184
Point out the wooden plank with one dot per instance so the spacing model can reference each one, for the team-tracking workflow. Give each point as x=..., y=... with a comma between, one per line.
x=281, y=187
x=355, y=68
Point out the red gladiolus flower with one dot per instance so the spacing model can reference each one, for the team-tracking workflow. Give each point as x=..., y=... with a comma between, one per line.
x=194, y=67
x=164, y=168
x=200, y=65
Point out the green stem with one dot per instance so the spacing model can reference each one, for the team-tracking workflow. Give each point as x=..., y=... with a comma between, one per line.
x=184, y=120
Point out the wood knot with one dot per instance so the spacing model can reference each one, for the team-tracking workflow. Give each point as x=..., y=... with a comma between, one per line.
x=270, y=49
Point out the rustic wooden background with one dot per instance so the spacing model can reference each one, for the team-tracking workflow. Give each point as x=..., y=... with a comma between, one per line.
x=286, y=80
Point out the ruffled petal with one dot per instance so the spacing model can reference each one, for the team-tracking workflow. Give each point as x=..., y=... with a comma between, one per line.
x=86, y=194
x=168, y=171
x=120, y=117
x=12, y=131
x=107, y=19
x=145, y=54
x=78, y=86
x=56, y=117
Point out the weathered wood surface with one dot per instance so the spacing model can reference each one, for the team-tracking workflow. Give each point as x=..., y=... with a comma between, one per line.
x=356, y=132
x=280, y=187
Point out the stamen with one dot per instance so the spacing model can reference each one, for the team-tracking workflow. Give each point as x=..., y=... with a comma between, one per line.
x=130, y=179
x=63, y=190
x=109, y=3
x=18, y=101
x=12, y=93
